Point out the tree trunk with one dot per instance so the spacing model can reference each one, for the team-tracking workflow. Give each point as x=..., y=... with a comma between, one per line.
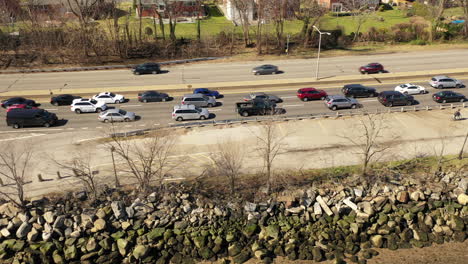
x=140, y=20
x=155, y=28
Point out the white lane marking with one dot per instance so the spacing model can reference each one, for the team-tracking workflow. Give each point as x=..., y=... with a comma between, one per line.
x=52, y=109
x=24, y=137
x=293, y=105
x=87, y=139
x=98, y=127
x=128, y=125
x=157, y=124
x=286, y=97
x=84, y=128
x=70, y=128
x=214, y=110
x=369, y=100
x=32, y=130
x=131, y=105
x=170, y=123
x=143, y=125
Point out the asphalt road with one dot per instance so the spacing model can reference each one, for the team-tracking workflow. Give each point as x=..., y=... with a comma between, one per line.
x=159, y=113
x=236, y=71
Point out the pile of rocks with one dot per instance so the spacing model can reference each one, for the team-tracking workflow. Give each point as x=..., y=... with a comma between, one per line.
x=179, y=226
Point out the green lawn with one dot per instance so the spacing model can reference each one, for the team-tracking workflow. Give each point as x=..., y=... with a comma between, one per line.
x=380, y=20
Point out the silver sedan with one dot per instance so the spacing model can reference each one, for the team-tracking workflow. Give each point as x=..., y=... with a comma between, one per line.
x=116, y=115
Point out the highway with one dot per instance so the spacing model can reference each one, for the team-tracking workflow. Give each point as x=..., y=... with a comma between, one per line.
x=218, y=71
x=158, y=114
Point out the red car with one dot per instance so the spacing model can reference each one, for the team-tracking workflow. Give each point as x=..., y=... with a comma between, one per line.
x=306, y=94
x=22, y=106
x=371, y=68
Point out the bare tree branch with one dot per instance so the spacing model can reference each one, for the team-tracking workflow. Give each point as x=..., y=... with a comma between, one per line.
x=228, y=160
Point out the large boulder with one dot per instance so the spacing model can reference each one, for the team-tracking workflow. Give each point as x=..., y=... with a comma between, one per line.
x=23, y=230
x=119, y=210
x=462, y=199
x=140, y=251
x=122, y=245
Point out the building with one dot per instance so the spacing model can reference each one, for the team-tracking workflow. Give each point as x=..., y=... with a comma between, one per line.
x=345, y=5
x=179, y=8
x=231, y=8
x=399, y=2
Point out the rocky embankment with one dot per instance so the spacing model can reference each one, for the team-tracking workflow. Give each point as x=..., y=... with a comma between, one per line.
x=180, y=226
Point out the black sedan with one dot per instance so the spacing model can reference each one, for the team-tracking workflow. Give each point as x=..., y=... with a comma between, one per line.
x=63, y=99
x=358, y=90
x=448, y=96
x=152, y=96
x=265, y=69
x=16, y=101
x=150, y=68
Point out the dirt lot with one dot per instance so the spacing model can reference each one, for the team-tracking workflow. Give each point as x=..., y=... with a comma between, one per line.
x=448, y=253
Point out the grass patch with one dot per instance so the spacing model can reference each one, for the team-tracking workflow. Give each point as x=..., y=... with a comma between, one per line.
x=384, y=19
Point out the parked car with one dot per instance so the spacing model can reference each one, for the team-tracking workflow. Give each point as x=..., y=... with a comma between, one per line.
x=392, y=98
x=20, y=106
x=109, y=98
x=87, y=106
x=186, y=112
x=152, y=96
x=63, y=99
x=18, y=118
x=410, y=88
x=264, y=96
x=116, y=115
x=371, y=68
x=199, y=100
x=265, y=69
x=443, y=81
x=17, y=100
x=256, y=107
x=359, y=90
x=207, y=92
x=306, y=94
x=150, y=67
x=448, y=96
x=335, y=102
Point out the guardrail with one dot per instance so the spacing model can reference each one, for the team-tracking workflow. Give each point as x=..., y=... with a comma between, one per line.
x=106, y=67
x=296, y=117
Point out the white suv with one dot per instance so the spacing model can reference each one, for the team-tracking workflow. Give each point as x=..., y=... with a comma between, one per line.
x=109, y=98
x=185, y=112
x=87, y=106
x=443, y=81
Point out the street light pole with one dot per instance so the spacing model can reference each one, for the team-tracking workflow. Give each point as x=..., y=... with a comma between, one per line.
x=318, y=53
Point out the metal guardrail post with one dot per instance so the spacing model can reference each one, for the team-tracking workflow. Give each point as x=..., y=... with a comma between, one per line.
x=402, y=109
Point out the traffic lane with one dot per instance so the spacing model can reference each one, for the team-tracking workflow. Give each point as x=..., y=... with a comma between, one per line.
x=151, y=118
x=160, y=113
x=235, y=71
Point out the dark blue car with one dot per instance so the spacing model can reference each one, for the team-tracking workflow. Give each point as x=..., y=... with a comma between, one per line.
x=207, y=92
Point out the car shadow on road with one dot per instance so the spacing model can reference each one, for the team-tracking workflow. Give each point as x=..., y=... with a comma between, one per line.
x=279, y=72
x=170, y=98
x=137, y=118
x=61, y=122
x=163, y=72
x=220, y=96
x=218, y=104
x=212, y=116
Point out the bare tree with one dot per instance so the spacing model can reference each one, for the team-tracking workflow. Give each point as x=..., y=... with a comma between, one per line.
x=147, y=159
x=432, y=12
x=82, y=10
x=228, y=160
x=464, y=5
x=261, y=20
x=269, y=144
x=15, y=161
x=462, y=150
x=80, y=166
x=309, y=12
x=361, y=11
x=173, y=10
x=368, y=141
x=244, y=7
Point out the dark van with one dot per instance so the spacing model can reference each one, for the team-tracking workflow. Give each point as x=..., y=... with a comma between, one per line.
x=18, y=118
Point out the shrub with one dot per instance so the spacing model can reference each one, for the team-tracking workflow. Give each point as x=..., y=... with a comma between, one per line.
x=384, y=7
x=420, y=42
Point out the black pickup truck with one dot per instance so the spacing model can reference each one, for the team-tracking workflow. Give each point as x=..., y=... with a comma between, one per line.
x=256, y=107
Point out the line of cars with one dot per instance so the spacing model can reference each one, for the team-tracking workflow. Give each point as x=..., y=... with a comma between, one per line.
x=24, y=112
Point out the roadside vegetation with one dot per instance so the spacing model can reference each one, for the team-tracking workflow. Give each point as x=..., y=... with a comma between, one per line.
x=113, y=33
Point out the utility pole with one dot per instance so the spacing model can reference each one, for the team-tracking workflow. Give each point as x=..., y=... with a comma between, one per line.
x=318, y=53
